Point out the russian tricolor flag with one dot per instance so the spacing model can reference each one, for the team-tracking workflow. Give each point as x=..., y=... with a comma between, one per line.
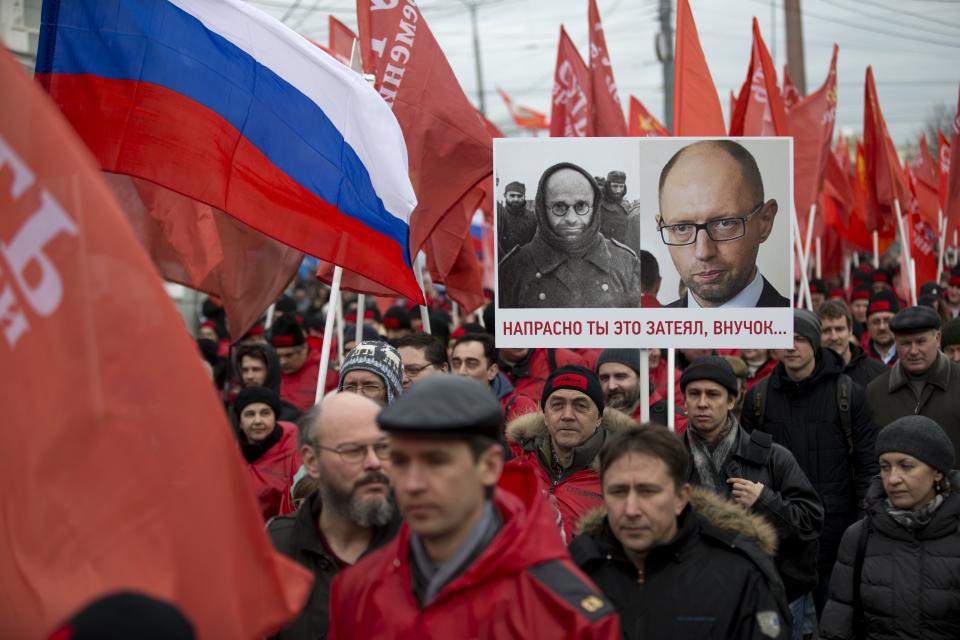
x=219, y=102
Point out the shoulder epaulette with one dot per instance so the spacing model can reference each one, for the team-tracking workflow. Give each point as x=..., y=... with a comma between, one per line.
x=624, y=247
x=573, y=590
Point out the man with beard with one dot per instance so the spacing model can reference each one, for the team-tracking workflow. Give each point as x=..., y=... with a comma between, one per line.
x=569, y=263
x=619, y=374
x=351, y=512
x=616, y=223
x=713, y=218
x=515, y=225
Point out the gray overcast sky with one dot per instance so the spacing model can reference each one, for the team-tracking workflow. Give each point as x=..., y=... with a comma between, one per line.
x=913, y=45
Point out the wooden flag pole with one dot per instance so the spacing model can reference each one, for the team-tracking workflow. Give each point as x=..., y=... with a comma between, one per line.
x=424, y=312
x=644, y=386
x=361, y=318
x=328, y=335
x=671, y=368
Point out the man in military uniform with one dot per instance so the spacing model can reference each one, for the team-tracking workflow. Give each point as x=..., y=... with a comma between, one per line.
x=569, y=263
x=515, y=225
x=616, y=222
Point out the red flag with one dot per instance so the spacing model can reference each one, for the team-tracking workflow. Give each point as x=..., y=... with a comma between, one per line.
x=524, y=116
x=943, y=157
x=760, y=111
x=607, y=111
x=571, y=114
x=885, y=182
x=201, y=247
x=923, y=193
x=642, y=123
x=951, y=205
x=450, y=151
x=811, y=122
x=341, y=38
x=925, y=169
x=790, y=94
x=114, y=489
x=696, y=104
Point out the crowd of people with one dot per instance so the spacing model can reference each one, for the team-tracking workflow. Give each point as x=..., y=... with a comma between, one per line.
x=446, y=488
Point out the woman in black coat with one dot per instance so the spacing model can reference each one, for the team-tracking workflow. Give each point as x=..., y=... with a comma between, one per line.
x=898, y=570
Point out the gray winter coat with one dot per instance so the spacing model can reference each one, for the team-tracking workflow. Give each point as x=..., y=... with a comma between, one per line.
x=910, y=580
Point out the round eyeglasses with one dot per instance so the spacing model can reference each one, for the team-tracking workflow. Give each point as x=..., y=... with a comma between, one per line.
x=559, y=209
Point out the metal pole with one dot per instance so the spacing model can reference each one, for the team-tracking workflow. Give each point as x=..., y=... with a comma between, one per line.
x=664, y=46
x=476, y=57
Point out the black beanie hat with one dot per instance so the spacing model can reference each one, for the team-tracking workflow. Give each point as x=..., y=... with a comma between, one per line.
x=920, y=437
x=127, y=615
x=251, y=395
x=807, y=324
x=713, y=368
x=883, y=301
x=576, y=378
x=626, y=357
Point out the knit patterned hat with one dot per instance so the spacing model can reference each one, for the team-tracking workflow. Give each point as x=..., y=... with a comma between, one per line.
x=379, y=358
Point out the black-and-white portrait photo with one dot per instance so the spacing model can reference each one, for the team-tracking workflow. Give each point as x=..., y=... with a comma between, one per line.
x=576, y=242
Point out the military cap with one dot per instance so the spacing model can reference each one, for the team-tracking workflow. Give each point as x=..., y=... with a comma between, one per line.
x=444, y=407
x=516, y=187
x=883, y=301
x=286, y=332
x=617, y=176
x=914, y=319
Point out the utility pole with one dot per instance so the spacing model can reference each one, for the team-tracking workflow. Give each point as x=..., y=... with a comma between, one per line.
x=794, y=28
x=472, y=6
x=664, y=48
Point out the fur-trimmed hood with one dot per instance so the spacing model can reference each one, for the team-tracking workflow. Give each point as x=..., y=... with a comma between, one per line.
x=721, y=513
x=528, y=426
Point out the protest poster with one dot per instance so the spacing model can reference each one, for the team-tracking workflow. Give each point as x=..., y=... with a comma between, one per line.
x=575, y=215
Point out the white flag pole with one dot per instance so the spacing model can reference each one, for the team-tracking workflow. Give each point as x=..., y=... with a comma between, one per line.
x=804, y=296
x=905, y=248
x=876, y=249
x=818, y=265
x=269, y=320
x=338, y=322
x=808, y=244
x=644, y=386
x=424, y=312
x=671, y=368
x=942, y=229
x=328, y=334
x=361, y=317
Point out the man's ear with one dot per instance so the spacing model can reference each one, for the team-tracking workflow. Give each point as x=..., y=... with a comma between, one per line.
x=309, y=457
x=492, y=372
x=767, y=215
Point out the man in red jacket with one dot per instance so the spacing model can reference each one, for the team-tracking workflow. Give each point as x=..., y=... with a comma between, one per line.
x=563, y=443
x=299, y=364
x=471, y=560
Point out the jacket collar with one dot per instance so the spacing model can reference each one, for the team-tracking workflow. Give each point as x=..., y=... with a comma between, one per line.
x=937, y=375
x=548, y=259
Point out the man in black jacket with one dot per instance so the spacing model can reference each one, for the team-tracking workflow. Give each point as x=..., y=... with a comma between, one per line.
x=677, y=565
x=817, y=412
x=751, y=470
x=351, y=513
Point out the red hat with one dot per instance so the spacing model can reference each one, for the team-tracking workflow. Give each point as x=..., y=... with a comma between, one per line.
x=863, y=292
x=837, y=293
x=883, y=301
x=879, y=275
